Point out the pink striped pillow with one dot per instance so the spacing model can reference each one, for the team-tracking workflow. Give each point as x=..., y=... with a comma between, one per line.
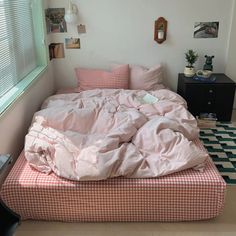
x=89, y=79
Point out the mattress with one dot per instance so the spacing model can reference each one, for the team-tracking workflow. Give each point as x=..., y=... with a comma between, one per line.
x=184, y=196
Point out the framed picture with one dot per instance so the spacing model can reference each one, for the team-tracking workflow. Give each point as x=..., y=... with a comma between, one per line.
x=72, y=43
x=55, y=20
x=56, y=50
x=206, y=29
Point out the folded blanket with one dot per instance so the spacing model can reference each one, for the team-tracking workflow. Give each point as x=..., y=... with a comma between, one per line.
x=99, y=134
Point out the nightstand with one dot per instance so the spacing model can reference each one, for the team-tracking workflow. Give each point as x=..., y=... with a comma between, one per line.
x=208, y=97
x=8, y=219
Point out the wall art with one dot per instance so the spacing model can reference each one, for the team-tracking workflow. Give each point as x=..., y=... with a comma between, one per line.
x=206, y=29
x=81, y=29
x=55, y=20
x=72, y=43
x=56, y=50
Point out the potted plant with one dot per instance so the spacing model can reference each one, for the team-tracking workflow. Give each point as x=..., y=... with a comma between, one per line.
x=191, y=57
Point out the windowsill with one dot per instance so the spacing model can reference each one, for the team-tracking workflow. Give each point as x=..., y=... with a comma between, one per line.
x=17, y=91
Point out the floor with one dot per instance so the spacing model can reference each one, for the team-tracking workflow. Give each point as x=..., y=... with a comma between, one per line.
x=224, y=225
x=233, y=119
x=220, y=141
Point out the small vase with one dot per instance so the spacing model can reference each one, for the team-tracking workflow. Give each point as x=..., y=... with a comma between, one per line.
x=189, y=71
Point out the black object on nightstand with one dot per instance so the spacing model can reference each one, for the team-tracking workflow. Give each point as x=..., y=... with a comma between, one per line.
x=208, y=97
x=8, y=219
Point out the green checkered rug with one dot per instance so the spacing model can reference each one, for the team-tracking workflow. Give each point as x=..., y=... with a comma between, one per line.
x=220, y=142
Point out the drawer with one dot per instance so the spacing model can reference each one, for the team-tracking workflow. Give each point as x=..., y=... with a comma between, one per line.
x=200, y=96
x=205, y=91
x=202, y=93
x=209, y=105
x=217, y=97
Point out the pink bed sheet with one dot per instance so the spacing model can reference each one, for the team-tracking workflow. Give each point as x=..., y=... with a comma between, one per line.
x=184, y=196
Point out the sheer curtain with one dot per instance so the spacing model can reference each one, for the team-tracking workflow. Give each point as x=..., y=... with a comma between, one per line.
x=17, y=47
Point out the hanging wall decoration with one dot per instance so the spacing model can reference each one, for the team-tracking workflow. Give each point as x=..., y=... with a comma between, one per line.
x=71, y=16
x=55, y=20
x=160, y=30
x=72, y=43
x=206, y=29
x=81, y=29
x=56, y=50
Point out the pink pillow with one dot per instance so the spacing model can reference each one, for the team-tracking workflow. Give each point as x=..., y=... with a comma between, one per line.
x=68, y=90
x=89, y=79
x=144, y=78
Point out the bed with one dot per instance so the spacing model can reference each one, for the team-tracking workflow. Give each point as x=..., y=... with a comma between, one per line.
x=184, y=196
x=114, y=155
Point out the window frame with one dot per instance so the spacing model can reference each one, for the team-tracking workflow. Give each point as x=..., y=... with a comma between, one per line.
x=8, y=99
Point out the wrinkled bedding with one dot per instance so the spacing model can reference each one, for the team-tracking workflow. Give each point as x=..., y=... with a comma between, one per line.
x=100, y=134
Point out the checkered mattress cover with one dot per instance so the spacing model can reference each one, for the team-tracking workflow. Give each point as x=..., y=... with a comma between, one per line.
x=184, y=196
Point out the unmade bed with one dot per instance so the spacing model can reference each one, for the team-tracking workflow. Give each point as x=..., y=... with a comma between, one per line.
x=114, y=155
x=184, y=196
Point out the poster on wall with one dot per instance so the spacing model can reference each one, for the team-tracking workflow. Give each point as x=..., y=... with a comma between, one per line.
x=56, y=50
x=72, y=43
x=55, y=20
x=206, y=29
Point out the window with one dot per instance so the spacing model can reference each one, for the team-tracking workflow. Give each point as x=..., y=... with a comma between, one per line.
x=22, y=51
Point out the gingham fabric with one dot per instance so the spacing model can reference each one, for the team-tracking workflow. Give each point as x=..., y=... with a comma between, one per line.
x=183, y=196
x=89, y=79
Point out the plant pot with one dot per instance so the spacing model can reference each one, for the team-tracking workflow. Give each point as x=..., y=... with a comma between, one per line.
x=189, y=71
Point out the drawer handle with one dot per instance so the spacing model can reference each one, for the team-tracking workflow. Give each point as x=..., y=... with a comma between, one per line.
x=209, y=103
x=210, y=91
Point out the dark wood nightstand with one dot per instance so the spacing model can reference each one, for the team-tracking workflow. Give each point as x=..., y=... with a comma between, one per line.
x=8, y=219
x=208, y=97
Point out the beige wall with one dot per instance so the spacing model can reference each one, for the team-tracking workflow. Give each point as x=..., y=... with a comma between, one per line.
x=123, y=30
x=16, y=121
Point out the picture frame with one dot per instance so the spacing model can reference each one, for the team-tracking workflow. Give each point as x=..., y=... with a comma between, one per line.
x=55, y=22
x=56, y=50
x=72, y=43
x=206, y=29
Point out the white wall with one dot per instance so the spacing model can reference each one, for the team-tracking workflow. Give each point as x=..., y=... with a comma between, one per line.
x=122, y=31
x=15, y=122
x=231, y=59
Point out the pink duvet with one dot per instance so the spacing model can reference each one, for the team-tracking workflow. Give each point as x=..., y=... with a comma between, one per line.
x=99, y=134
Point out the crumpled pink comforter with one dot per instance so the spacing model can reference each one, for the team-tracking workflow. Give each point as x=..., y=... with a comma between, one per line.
x=100, y=134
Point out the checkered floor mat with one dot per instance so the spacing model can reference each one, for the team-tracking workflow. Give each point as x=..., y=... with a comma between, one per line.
x=220, y=142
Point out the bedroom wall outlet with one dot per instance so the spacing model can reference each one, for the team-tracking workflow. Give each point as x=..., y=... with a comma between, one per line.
x=81, y=29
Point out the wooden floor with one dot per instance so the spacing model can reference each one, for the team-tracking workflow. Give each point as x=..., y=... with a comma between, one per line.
x=224, y=225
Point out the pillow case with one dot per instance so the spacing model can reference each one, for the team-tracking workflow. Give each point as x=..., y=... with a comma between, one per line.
x=68, y=90
x=144, y=78
x=89, y=79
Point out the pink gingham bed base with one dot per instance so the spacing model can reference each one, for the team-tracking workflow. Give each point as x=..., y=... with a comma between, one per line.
x=184, y=196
